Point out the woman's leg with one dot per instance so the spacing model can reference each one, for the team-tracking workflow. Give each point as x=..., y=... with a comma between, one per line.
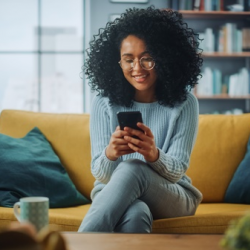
x=136, y=219
x=132, y=180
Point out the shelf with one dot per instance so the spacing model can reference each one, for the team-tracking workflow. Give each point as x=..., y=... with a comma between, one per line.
x=214, y=14
x=225, y=55
x=223, y=97
x=224, y=61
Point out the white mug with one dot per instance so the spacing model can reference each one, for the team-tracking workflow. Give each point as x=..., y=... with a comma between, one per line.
x=34, y=210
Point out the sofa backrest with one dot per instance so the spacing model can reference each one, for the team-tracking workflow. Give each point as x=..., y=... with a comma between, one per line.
x=67, y=133
x=220, y=147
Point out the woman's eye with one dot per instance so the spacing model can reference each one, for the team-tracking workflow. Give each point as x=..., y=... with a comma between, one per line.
x=128, y=60
x=148, y=59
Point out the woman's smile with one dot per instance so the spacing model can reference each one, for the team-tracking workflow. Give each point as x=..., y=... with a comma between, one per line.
x=140, y=78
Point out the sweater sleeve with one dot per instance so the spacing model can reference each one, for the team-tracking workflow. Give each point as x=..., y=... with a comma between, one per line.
x=173, y=163
x=100, y=133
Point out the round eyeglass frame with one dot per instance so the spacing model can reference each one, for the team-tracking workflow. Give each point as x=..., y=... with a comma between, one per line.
x=140, y=64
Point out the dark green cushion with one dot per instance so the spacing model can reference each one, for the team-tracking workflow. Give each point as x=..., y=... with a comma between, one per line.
x=238, y=190
x=30, y=167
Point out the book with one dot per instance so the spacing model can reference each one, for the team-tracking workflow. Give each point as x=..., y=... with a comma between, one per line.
x=217, y=82
x=216, y=40
x=230, y=30
x=214, y=4
x=209, y=40
x=175, y=5
x=225, y=84
x=244, y=80
x=232, y=88
x=221, y=5
x=239, y=40
x=239, y=83
x=208, y=5
x=249, y=81
x=245, y=39
x=189, y=5
x=196, y=6
x=221, y=38
x=205, y=86
x=246, y=5
x=202, y=7
x=182, y=4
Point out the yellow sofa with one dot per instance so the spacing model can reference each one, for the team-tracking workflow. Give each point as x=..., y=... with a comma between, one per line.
x=220, y=147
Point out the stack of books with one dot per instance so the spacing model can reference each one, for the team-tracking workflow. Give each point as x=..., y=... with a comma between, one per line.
x=227, y=39
x=214, y=83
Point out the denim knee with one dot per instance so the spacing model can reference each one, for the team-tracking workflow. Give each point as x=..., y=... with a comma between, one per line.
x=134, y=166
x=136, y=219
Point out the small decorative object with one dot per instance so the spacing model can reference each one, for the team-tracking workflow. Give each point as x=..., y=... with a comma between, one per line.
x=237, y=236
x=129, y=1
x=235, y=7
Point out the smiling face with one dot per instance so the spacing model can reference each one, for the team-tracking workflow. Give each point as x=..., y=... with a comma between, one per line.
x=144, y=81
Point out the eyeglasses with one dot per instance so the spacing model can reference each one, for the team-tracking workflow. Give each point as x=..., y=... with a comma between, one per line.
x=146, y=62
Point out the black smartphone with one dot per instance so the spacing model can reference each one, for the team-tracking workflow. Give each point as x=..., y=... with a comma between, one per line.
x=129, y=119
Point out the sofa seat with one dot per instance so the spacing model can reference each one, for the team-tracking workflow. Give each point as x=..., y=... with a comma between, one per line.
x=62, y=219
x=209, y=218
x=220, y=147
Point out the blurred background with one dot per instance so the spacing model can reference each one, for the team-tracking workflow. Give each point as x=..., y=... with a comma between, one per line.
x=42, y=44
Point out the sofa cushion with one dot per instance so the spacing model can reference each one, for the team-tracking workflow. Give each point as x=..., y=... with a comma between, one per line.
x=67, y=133
x=62, y=219
x=30, y=167
x=210, y=218
x=238, y=190
x=218, y=151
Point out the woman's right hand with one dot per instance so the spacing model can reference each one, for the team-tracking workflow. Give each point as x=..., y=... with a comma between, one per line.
x=117, y=145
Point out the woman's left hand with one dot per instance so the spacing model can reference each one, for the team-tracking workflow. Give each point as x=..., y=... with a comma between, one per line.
x=145, y=145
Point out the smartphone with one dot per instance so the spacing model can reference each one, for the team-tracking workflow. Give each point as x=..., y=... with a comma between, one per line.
x=129, y=119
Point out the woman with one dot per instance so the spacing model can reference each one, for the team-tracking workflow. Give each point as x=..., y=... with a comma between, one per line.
x=144, y=61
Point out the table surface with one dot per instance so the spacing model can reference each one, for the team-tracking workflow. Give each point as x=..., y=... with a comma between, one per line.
x=104, y=241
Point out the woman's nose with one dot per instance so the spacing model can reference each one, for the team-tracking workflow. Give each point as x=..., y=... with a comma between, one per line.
x=136, y=65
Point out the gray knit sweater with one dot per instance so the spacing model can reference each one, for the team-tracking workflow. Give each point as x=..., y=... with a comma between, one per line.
x=174, y=130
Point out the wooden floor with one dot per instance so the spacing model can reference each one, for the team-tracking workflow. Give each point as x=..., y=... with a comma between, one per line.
x=103, y=241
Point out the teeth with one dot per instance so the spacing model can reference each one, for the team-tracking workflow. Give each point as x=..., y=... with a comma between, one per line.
x=138, y=77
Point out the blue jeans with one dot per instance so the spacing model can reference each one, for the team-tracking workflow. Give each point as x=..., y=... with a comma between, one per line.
x=134, y=196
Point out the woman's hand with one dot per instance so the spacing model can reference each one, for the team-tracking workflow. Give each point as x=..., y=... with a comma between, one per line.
x=145, y=145
x=117, y=145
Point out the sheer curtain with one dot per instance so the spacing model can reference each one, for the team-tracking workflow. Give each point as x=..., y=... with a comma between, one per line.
x=42, y=45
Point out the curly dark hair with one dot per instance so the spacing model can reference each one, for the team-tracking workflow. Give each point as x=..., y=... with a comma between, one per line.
x=169, y=41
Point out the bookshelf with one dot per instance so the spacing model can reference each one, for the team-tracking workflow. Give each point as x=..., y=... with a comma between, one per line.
x=227, y=63
x=214, y=14
x=223, y=96
x=223, y=54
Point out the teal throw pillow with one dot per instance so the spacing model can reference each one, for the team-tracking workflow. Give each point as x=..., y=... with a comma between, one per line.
x=30, y=167
x=238, y=190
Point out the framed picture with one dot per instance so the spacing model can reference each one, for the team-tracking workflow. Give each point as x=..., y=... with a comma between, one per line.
x=112, y=17
x=129, y=1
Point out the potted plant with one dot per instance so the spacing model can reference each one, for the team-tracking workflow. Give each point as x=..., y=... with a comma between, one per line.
x=237, y=236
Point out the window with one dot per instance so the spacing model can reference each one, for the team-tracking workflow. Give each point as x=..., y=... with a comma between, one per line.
x=41, y=55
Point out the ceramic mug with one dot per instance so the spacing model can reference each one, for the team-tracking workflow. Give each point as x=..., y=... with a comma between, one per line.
x=34, y=210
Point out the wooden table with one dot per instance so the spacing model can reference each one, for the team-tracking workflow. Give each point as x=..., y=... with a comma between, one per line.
x=103, y=241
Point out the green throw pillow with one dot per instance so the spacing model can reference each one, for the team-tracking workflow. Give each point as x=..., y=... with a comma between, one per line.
x=238, y=190
x=30, y=167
